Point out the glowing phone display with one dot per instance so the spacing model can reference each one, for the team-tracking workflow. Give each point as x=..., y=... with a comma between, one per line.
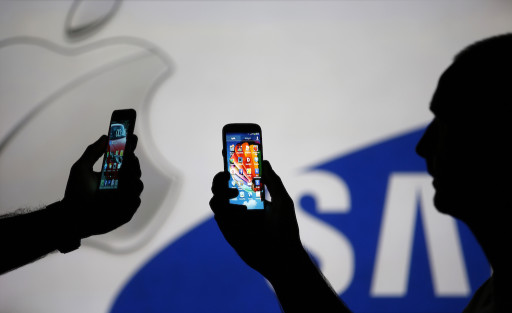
x=121, y=126
x=244, y=159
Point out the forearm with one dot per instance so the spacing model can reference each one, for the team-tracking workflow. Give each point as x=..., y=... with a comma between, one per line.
x=29, y=237
x=301, y=287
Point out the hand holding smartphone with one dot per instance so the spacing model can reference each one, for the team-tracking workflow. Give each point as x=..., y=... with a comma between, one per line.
x=122, y=124
x=243, y=158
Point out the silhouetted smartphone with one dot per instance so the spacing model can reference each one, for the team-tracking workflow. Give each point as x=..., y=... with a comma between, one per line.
x=243, y=156
x=120, y=128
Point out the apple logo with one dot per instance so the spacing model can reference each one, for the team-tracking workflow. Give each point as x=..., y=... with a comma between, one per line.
x=57, y=99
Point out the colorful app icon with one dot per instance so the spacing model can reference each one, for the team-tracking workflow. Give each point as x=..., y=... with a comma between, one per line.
x=249, y=194
x=231, y=161
x=247, y=148
x=256, y=159
x=257, y=182
x=257, y=171
x=239, y=149
x=240, y=159
x=241, y=194
x=249, y=171
x=240, y=171
x=233, y=171
x=233, y=183
x=248, y=160
x=255, y=148
x=232, y=148
x=258, y=194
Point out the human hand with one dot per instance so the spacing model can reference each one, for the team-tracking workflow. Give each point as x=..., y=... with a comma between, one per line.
x=86, y=210
x=267, y=240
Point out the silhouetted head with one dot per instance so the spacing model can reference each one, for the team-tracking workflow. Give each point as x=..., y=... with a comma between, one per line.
x=466, y=147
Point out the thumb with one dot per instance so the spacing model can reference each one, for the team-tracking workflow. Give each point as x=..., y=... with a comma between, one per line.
x=94, y=151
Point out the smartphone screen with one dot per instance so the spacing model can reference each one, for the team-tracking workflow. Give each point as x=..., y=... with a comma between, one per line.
x=244, y=159
x=113, y=160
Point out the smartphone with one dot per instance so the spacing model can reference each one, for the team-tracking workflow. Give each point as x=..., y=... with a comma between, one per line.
x=243, y=157
x=120, y=128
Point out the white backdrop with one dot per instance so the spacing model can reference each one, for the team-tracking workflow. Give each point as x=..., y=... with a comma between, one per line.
x=321, y=78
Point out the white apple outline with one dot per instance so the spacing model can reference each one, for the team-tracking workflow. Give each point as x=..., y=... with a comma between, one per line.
x=113, y=241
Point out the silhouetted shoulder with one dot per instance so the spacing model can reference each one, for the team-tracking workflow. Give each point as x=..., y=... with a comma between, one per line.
x=482, y=301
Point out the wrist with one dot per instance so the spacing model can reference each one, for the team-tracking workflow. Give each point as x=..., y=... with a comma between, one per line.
x=67, y=236
x=295, y=262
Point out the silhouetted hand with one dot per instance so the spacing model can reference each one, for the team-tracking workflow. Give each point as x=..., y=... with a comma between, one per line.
x=91, y=212
x=267, y=240
x=83, y=212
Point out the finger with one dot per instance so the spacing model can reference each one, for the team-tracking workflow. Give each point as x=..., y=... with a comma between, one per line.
x=220, y=183
x=221, y=206
x=133, y=140
x=220, y=187
x=129, y=195
x=131, y=167
x=133, y=188
x=138, y=187
x=273, y=182
x=94, y=151
x=130, y=185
